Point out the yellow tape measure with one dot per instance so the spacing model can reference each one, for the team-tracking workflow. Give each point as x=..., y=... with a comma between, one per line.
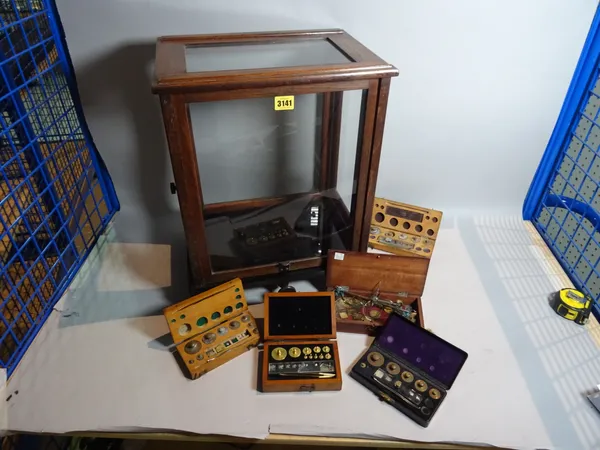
x=572, y=305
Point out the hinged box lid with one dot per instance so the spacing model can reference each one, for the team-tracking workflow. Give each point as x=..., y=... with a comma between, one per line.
x=391, y=274
x=206, y=310
x=422, y=349
x=299, y=315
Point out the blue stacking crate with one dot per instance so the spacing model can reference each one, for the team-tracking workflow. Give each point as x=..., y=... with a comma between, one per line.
x=563, y=201
x=56, y=197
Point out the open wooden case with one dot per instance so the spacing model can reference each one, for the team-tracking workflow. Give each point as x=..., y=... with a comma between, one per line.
x=300, y=352
x=355, y=277
x=212, y=328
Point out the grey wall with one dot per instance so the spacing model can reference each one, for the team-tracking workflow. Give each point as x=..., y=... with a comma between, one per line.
x=480, y=88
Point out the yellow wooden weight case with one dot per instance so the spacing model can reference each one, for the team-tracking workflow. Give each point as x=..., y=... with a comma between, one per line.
x=212, y=328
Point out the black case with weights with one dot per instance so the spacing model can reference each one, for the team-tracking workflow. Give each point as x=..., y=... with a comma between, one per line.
x=410, y=368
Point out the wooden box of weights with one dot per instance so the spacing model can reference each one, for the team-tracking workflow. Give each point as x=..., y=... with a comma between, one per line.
x=404, y=230
x=300, y=351
x=354, y=277
x=212, y=328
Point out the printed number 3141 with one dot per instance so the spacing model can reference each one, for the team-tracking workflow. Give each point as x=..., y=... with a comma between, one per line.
x=284, y=103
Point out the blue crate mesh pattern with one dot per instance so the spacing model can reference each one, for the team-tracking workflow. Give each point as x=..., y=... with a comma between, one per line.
x=568, y=215
x=55, y=195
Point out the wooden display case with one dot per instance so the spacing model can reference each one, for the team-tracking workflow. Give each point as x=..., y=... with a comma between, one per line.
x=274, y=141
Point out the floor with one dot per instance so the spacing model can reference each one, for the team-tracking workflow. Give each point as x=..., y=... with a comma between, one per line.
x=486, y=292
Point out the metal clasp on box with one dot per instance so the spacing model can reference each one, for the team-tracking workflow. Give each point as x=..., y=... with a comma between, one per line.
x=307, y=388
x=283, y=267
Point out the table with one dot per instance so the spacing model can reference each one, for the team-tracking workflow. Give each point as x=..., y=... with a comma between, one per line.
x=106, y=368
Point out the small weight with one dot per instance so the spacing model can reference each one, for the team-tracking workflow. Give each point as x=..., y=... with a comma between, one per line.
x=393, y=368
x=192, y=347
x=279, y=353
x=375, y=359
x=209, y=338
x=407, y=377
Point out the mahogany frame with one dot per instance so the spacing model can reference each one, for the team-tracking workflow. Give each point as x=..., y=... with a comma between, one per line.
x=177, y=88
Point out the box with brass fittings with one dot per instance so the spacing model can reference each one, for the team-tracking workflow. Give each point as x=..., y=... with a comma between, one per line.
x=403, y=229
x=212, y=328
x=410, y=368
x=300, y=352
x=368, y=287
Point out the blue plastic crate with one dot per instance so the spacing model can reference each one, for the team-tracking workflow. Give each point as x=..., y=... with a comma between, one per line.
x=56, y=197
x=563, y=201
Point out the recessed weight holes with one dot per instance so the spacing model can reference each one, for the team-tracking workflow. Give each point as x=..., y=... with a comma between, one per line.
x=239, y=305
x=419, y=228
x=430, y=232
x=215, y=315
x=379, y=217
x=182, y=316
x=393, y=222
x=201, y=321
x=406, y=225
x=435, y=219
x=185, y=329
x=237, y=297
x=228, y=310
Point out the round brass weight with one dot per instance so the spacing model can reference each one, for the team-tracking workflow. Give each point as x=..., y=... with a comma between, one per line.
x=393, y=368
x=279, y=353
x=375, y=359
x=192, y=347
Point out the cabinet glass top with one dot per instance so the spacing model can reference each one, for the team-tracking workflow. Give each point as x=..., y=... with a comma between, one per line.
x=211, y=57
